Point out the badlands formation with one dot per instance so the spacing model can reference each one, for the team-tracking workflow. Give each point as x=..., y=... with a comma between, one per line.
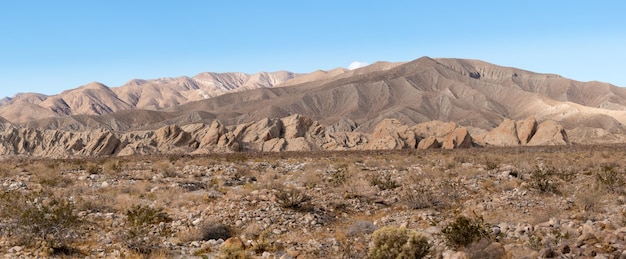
x=425, y=103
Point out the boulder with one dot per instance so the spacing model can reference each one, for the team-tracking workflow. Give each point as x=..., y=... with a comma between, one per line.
x=458, y=138
x=429, y=143
x=391, y=134
x=549, y=133
x=437, y=129
x=503, y=135
x=526, y=129
x=344, y=125
x=343, y=141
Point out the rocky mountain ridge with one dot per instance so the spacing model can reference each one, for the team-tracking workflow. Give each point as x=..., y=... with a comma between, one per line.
x=293, y=133
x=470, y=93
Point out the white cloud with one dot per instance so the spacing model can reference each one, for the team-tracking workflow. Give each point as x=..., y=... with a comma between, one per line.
x=357, y=64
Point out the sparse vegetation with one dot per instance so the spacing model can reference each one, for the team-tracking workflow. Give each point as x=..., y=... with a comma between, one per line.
x=394, y=242
x=608, y=178
x=544, y=180
x=143, y=225
x=39, y=219
x=383, y=180
x=318, y=205
x=293, y=198
x=464, y=230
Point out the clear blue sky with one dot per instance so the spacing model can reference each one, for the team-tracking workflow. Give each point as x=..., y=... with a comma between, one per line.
x=50, y=46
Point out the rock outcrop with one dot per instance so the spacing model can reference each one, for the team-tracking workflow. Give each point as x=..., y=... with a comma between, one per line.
x=527, y=133
x=293, y=133
x=458, y=138
x=391, y=134
x=549, y=133
x=503, y=135
x=429, y=143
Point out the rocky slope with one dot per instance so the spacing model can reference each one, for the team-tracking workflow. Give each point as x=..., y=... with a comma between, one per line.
x=469, y=93
x=98, y=99
x=293, y=133
x=530, y=202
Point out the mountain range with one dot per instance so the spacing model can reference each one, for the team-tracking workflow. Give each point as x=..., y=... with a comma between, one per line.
x=473, y=94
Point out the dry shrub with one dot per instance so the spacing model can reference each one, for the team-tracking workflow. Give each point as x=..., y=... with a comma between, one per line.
x=293, y=198
x=544, y=180
x=394, y=242
x=213, y=229
x=465, y=230
x=142, y=222
x=383, y=180
x=32, y=218
x=361, y=227
x=609, y=179
x=589, y=200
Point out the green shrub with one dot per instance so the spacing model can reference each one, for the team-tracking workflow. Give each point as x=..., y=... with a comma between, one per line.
x=31, y=218
x=464, y=231
x=398, y=242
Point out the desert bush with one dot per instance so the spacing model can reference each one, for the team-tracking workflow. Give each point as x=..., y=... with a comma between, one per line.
x=31, y=218
x=398, y=242
x=93, y=169
x=465, y=230
x=384, y=181
x=589, y=200
x=421, y=197
x=293, y=198
x=142, y=222
x=351, y=247
x=53, y=179
x=113, y=166
x=233, y=251
x=608, y=178
x=543, y=179
x=213, y=229
x=337, y=177
x=491, y=164
x=361, y=227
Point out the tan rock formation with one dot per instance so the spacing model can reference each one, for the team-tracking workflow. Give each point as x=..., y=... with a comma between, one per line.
x=459, y=138
x=429, y=143
x=391, y=134
x=549, y=133
x=293, y=133
x=503, y=135
x=526, y=129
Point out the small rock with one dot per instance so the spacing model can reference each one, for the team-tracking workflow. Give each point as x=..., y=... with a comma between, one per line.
x=586, y=238
x=276, y=231
x=104, y=184
x=495, y=230
x=15, y=249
